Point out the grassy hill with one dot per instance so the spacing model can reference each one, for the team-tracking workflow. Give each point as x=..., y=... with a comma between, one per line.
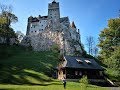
x=23, y=66
x=24, y=69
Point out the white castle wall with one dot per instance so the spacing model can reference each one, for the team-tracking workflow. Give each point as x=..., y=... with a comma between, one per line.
x=37, y=27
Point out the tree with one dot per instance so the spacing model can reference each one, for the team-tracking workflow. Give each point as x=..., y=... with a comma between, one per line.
x=90, y=44
x=3, y=20
x=109, y=43
x=6, y=11
x=95, y=51
x=115, y=59
x=6, y=18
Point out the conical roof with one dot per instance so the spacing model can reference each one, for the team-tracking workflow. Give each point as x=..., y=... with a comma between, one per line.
x=73, y=25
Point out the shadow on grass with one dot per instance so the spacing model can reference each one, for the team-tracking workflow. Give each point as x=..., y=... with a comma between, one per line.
x=31, y=84
x=13, y=72
x=20, y=77
x=27, y=67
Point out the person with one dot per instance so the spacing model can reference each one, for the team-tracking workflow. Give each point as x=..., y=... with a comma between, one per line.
x=64, y=82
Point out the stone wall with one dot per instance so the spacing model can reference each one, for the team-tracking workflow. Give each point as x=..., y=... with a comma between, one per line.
x=56, y=31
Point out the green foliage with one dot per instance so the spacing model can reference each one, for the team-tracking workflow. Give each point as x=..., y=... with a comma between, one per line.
x=114, y=60
x=3, y=20
x=6, y=18
x=109, y=41
x=6, y=12
x=114, y=23
x=113, y=74
x=7, y=33
x=55, y=48
x=84, y=80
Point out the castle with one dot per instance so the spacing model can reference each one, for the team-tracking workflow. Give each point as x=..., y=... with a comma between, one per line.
x=45, y=31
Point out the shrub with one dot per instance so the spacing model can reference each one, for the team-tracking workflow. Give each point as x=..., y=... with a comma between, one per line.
x=55, y=48
x=84, y=80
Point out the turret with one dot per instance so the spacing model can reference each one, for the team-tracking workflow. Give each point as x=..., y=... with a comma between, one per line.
x=73, y=25
x=53, y=10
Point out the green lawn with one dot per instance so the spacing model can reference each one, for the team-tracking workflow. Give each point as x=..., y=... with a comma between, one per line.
x=52, y=86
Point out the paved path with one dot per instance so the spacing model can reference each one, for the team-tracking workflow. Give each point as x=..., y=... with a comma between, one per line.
x=114, y=88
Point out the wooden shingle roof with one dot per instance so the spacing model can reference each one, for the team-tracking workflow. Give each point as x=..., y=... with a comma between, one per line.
x=83, y=63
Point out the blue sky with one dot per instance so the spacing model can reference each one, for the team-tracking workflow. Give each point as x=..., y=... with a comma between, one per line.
x=90, y=16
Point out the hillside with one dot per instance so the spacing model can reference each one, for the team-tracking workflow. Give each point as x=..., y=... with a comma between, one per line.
x=21, y=68
x=24, y=66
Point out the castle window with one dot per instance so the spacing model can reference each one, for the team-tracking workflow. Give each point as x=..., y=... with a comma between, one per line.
x=42, y=29
x=33, y=26
x=35, y=31
x=42, y=25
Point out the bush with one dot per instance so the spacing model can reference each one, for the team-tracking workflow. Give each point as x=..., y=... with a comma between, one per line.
x=113, y=74
x=55, y=48
x=84, y=80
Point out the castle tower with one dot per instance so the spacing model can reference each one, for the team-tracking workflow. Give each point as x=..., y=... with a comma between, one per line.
x=28, y=25
x=53, y=10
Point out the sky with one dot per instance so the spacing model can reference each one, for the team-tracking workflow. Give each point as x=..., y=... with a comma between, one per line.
x=90, y=16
